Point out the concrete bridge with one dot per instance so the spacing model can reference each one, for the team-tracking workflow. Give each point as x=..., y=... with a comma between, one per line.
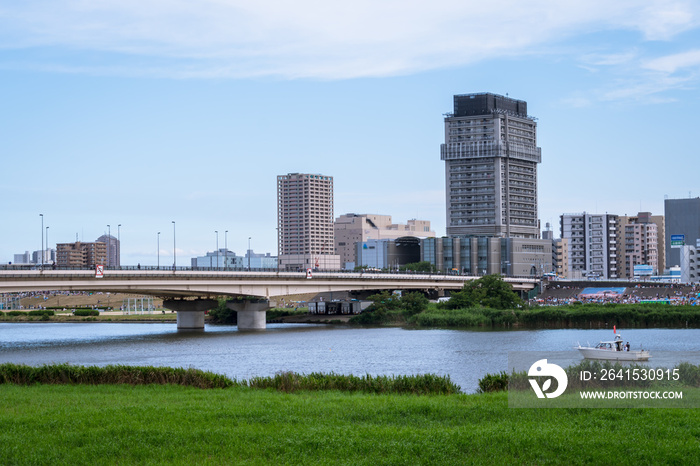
x=191, y=293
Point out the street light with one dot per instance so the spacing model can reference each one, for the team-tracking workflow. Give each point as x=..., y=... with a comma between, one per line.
x=158, y=252
x=249, y=253
x=174, y=251
x=119, y=246
x=217, y=249
x=109, y=240
x=42, y=240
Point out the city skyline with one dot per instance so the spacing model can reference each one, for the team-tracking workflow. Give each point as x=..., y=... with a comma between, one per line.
x=164, y=126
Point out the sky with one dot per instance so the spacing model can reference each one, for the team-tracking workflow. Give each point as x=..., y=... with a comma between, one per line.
x=141, y=113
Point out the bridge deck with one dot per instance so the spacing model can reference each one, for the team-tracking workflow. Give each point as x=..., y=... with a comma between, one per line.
x=220, y=283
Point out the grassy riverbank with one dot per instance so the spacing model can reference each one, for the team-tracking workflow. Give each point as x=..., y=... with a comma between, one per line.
x=569, y=316
x=80, y=424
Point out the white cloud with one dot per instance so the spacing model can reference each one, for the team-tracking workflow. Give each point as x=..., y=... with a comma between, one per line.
x=312, y=38
x=673, y=63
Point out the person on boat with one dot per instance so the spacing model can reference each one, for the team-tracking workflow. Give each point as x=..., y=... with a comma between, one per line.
x=627, y=346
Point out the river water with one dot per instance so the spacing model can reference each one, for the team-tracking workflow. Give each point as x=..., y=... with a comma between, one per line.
x=464, y=355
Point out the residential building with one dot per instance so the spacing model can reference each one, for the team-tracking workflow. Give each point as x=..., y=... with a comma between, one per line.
x=560, y=257
x=305, y=222
x=491, y=158
x=351, y=229
x=81, y=255
x=682, y=227
x=640, y=239
x=113, y=250
x=627, y=242
x=593, y=240
x=690, y=264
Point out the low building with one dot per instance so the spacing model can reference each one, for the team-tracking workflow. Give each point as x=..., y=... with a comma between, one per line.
x=228, y=260
x=351, y=229
x=388, y=253
x=488, y=255
x=222, y=259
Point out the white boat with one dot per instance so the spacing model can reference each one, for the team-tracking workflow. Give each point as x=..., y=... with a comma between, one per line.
x=614, y=350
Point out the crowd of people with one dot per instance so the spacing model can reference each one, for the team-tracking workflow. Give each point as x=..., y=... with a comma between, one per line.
x=556, y=294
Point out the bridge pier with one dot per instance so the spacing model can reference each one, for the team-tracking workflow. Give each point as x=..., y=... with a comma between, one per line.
x=190, y=314
x=252, y=315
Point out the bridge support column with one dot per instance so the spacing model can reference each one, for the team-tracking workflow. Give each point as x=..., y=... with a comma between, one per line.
x=190, y=314
x=252, y=315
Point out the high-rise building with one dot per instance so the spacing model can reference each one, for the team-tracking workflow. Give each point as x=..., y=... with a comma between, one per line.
x=593, y=240
x=491, y=158
x=682, y=227
x=305, y=222
x=351, y=229
x=113, y=250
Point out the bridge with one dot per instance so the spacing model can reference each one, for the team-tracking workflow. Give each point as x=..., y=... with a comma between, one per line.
x=191, y=293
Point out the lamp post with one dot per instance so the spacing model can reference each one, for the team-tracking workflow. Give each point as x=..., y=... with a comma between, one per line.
x=42, y=240
x=174, y=250
x=158, y=252
x=119, y=246
x=217, y=249
x=109, y=240
x=225, y=250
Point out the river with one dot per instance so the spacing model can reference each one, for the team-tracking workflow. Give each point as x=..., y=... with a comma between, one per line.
x=464, y=355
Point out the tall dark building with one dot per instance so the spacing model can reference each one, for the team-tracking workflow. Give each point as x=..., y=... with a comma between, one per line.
x=682, y=218
x=491, y=158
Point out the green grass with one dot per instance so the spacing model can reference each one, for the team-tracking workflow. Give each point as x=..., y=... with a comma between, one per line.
x=110, y=424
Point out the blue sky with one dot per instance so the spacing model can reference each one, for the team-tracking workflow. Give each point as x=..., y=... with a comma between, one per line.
x=143, y=113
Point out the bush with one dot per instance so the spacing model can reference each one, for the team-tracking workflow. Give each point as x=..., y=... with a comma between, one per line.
x=224, y=315
x=86, y=312
x=44, y=312
x=493, y=383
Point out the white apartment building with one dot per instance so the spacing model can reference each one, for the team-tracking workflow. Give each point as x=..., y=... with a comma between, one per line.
x=592, y=244
x=305, y=222
x=491, y=158
x=350, y=229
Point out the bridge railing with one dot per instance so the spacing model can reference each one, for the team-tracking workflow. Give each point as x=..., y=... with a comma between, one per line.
x=266, y=271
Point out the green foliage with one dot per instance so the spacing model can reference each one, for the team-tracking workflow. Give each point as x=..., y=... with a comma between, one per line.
x=223, y=315
x=689, y=376
x=422, y=266
x=381, y=384
x=86, y=312
x=488, y=291
x=493, y=383
x=387, y=307
x=42, y=312
x=92, y=375
x=413, y=303
x=169, y=424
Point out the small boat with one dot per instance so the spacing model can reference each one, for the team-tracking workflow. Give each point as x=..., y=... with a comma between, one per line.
x=614, y=350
